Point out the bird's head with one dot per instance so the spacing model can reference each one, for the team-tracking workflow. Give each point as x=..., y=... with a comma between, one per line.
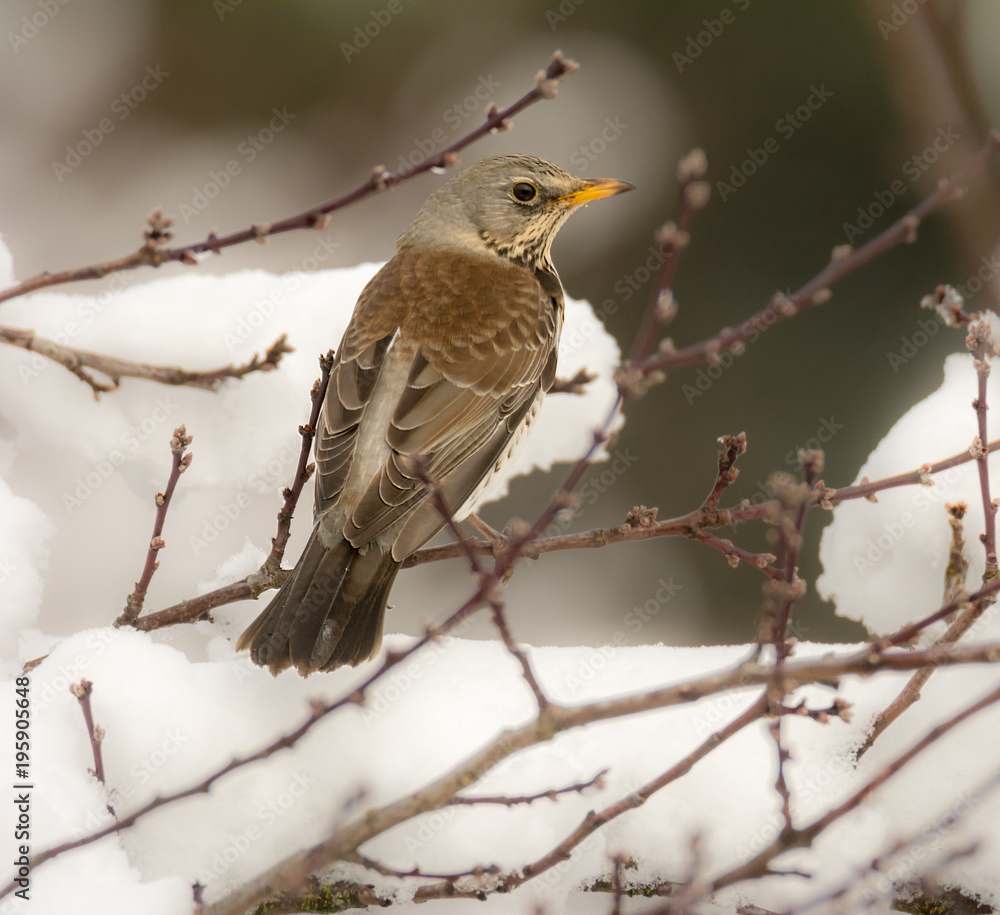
x=510, y=206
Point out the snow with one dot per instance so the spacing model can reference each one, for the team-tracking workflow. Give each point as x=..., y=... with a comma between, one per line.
x=884, y=563
x=77, y=480
x=170, y=722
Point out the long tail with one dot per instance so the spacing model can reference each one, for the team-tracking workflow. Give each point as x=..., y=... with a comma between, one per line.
x=328, y=613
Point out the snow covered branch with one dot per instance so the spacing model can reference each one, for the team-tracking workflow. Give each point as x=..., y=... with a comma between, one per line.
x=79, y=361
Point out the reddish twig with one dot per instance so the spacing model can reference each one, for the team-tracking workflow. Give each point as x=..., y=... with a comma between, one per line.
x=154, y=254
x=95, y=732
x=955, y=574
x=673, y=238
x=199, y=608
x=594, y=821
x=181, y=462
x=82, y=691
x=303, y=471
x=790, y=837
x=617, y=887
x=979, y=342
x=736, y=555
x=527, y=671
x=817, y=290
x=506, y=801
x=732, y=447
x=688, y=525
x=446, y=512
x=575, y=385
x=78, y=361
x=476, y=873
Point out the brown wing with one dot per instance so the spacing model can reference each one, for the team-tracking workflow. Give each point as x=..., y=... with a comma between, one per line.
x=356, y=368
x=483, y=338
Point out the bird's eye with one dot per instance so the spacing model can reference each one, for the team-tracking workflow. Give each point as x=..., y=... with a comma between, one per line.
x=524, y=192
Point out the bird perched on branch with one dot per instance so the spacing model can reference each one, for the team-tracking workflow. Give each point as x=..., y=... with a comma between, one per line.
x=442, y=369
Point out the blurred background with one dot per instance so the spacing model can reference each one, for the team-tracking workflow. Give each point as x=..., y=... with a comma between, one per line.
x=110, y=109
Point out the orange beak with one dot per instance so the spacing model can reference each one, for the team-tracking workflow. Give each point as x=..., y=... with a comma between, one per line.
x=595, y=189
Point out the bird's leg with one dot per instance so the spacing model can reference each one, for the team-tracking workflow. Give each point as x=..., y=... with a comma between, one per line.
x=498, y=540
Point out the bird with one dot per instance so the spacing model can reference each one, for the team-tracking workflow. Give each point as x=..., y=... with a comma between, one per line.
x=439, y=376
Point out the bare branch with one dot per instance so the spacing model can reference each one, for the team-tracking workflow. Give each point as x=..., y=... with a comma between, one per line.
x=78, y=361
x=791, y=838
x=154, y=254
x=303, y=471
x=82, y=691
x=181, y=462
x=843, y=262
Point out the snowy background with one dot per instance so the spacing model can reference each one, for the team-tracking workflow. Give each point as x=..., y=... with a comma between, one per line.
x=74, y=520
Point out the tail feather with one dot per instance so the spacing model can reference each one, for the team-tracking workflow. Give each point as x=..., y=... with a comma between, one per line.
x=328, y=613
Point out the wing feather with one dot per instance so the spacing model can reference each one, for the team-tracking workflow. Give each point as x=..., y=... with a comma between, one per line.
x=480, y=336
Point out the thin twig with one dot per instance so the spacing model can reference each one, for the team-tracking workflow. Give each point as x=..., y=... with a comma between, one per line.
x=689, y=525
x=82, y=691
x=154, y=254
x=303, y=471
x=955, y=574
x=790, y=838
x=618, y=862
x=673, y=237
x=732, y=447
x=736, y=555
x=181, y=462
x=507, y=801
x=446, y=512
x=575, y=385
x=380, y=868
x=594, y=821
x=95, y=732
x=817, y=290
x=980, y=344
x=78, y=361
